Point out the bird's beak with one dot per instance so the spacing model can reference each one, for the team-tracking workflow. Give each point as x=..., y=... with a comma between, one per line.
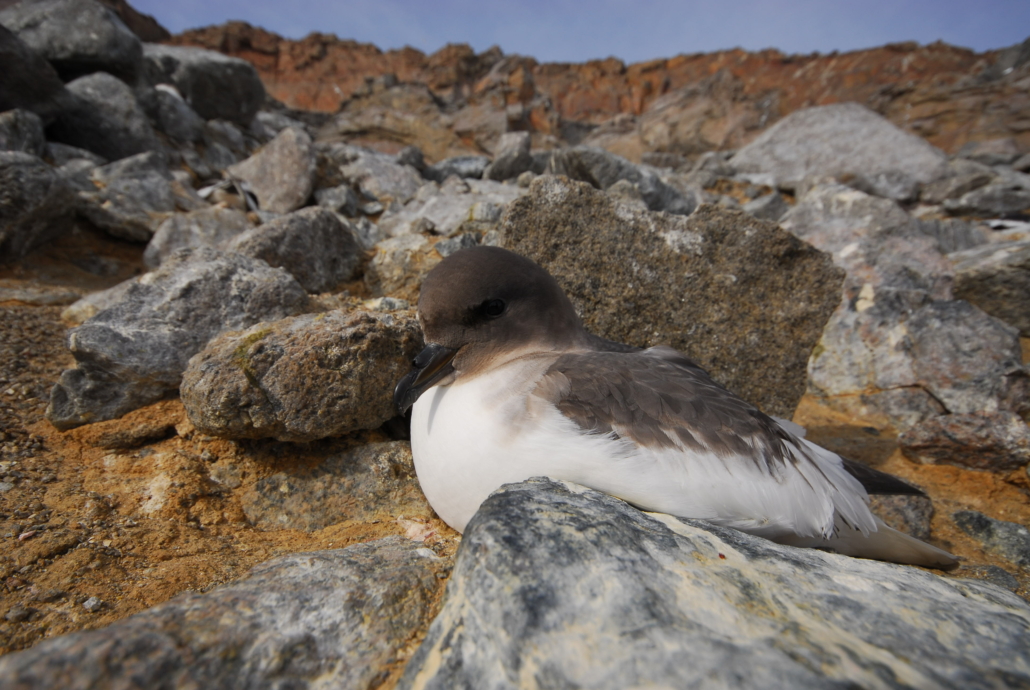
x=431, y=365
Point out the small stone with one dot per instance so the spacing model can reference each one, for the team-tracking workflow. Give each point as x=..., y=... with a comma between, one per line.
x=18, y=613
x=93, y=604
x=470, y=167
x=1007, y=539
x=768, y=207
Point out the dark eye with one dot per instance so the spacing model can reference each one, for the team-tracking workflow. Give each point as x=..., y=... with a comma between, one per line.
x=493, y=308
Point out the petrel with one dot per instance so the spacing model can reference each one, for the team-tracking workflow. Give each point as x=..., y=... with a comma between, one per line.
x=511, y=385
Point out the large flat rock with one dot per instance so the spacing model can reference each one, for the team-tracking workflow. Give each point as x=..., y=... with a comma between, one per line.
x=557, y=586
x=740, y=296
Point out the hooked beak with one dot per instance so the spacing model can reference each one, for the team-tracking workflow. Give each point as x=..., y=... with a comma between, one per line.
x=431, y=365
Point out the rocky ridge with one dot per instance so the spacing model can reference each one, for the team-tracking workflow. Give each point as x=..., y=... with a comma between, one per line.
x=227, y=284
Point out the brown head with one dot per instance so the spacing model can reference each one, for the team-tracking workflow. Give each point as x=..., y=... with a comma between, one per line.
x=483, y=302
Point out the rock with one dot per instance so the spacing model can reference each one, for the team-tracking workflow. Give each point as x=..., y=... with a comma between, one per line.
x=833, y=216
x=768, y=207
x=625, y=193
x=836, y=140
x=998, y=441
x=602, y=169
x=133, y=353
x=559, y=586
x=992, y=151
x=77, y=37
x=22, y=130
x=906, y=513
x=1022, y=164
x=399, y=265
x=281, y=174
x=996, y=278
x=133, y=197
x=911, y=357
x=377, y=175
x=991, y=200
x=61, y=154
x=174, y=116
x=996, y=576
x=454, y=207
x=46, y=296
x=952, y=234
x=301, y=379
x=452, y=244
x=954, y=186
x=89, y=306
x=340, y=617
x=345, y=486
x=28, y=81
x=467, y=167
x=216, y=86
x=889, y=184
x=647, y=279
x=105, y=119
x=1007, y=539
x=209, y=227
x=93, y=604
x=340, y=199
x=314, y=245
x=511, y=158
x=411, y=155
x=36, y=204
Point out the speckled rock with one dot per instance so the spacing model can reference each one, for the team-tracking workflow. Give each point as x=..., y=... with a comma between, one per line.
x=834, y=140
x=302, y=378
x=558, y=586
x=216, y=86
x=741, y=297
x=208, y=227
x=340, y=617
x=76, y=36
x=1009, y=540
x=22, y=130
x=399, y=266
x=314, y=245
x=105, y=118
x=282, y=174
x=373, y=481
x=996, y=278
x=906, y=513
x=35, y=204
x=979, y=440
x=134, y=352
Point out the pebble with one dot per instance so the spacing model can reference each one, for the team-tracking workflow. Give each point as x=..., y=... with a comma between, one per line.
x=92, y=604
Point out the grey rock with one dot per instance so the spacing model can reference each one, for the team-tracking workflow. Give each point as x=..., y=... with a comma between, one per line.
x=209, y=227
x=89, y=306
x=303, y=378
x=266, y=124
x=93, y=604
x=174, y=116
x=28, y=81
x=991, y=200
x=559, y=586
x=367, y=233
x=991, y=152
x=134, y=352
x=998, y=441
x=954, y=186
x=625, y=193
x=349, y=485
x=314, y=245
x=602, y=169
x=340, y=199
x=1007, y=539
x=994, y=575
x=216, y=86
x=906, y=513
x=105, y=119
x=769, y=207
x=77, y=37
x=889, y=184
x=739, y=296
x=377, y=175
x=22, y=130
x=45, y=295
x=952, y=234
x=282, y=174
x=36, y=204
x=78, y=174
x=996, y=278
x=833, y=216
x=338, y=617
x=454, y=207
x=133, y=197
x=836, y=140
x=411, y=155
x=511, y=157
x=466, y=167
x=1022, y=164
x=61, y=154
x=452, y=244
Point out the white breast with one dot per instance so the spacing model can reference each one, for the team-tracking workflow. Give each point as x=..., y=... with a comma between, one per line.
x=469, y=438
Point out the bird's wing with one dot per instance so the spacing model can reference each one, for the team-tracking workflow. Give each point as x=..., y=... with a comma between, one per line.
x=662, y=401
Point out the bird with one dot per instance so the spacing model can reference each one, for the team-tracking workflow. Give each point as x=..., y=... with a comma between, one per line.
x=511, y=385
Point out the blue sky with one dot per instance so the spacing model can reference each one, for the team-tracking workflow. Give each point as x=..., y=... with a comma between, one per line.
x=634, y=30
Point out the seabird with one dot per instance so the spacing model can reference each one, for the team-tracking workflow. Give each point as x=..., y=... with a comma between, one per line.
x=511, y=385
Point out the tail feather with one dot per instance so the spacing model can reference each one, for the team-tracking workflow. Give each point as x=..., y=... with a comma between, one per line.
x=885, y=544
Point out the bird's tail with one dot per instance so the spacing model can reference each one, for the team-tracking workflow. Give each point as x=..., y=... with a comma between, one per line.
x=885, y=544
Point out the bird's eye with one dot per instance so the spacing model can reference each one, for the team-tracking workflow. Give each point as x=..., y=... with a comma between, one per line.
x=493, y=308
